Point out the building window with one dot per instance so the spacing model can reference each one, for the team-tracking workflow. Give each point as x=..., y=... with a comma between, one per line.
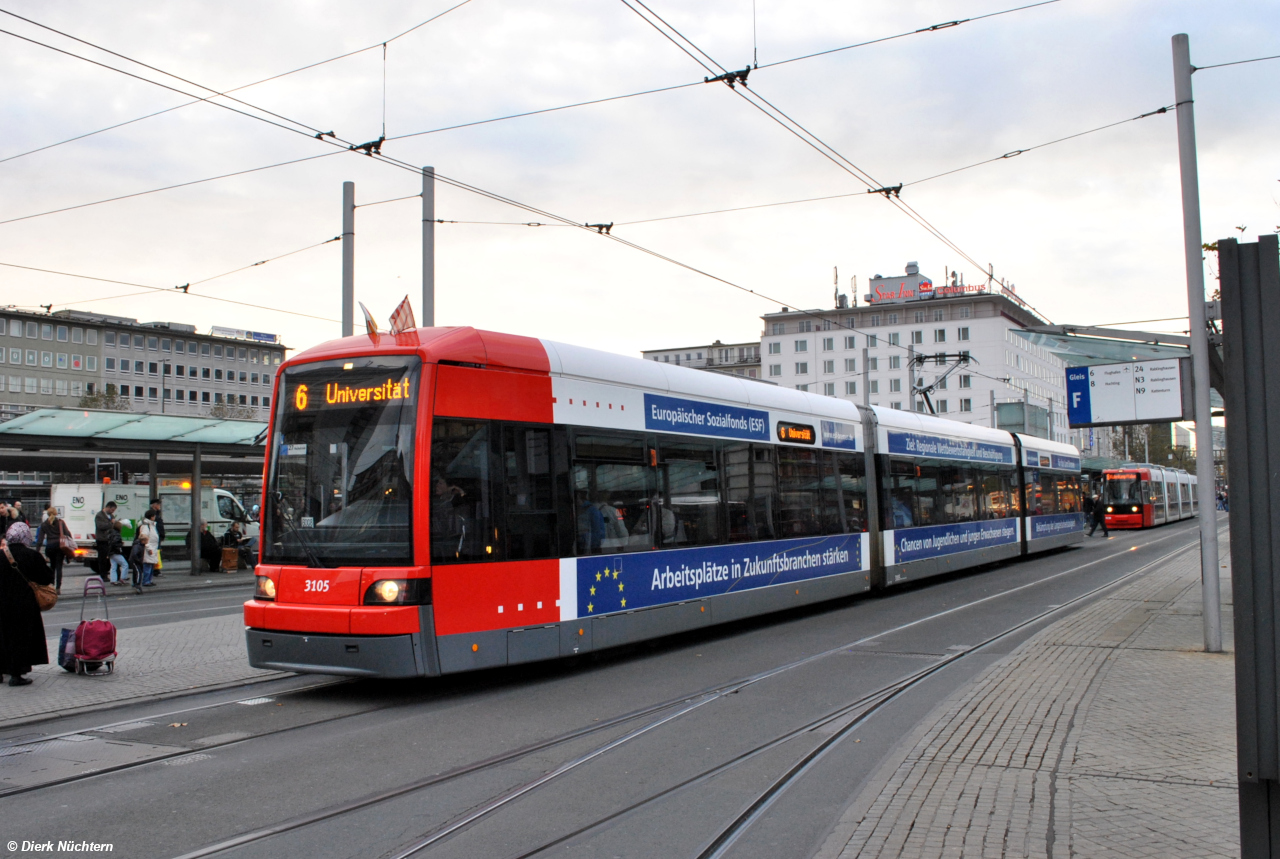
x=893, y=339
x=91, y=337
x=204, y=350
x=180, y=396
x=851, y=388
x=217, y=375
x=204, y=397
x=966, y=381
x=15, y=384
x=266, y=401
x=939, y=335
x=46, y=386
x=33, y=359
x=829, y=388
x=919, y=316
x=153, y=343
x=802, y=368
x=153, y=393
x=191, y=371
x=895, y=362
x=15, y=356
x=61, y=361
x=111, y=364
x=778, y=328
x=897, y=406
x=217, y=350
x=966, y=312
x=244, y=377
x=942, y=407
x=873, y=364
x=46, y=359
x=266, y=380
x=895, y=386
x=802, y=345
x=30, y=385
x=917, y=337
x=775, y=348
x=941, y=384
x=204, y=373
x=802, y=387
x=775, y=369
x=33, y=330
x=137, y=367
x=804, y=326
x=178, y=347
x=60, y=387
x=166, y=345
x=244, y=356
x=77, y=388
x=63, y=334
x=124, y=340
x=46, y=331
x=849, y=342
x=191, y=396
x=966, y=405
x=964, y=356
x=892, y=319
x=828, y=344
x=153, y=368
x=872, y=341
x=253, y=401
x=963, y=333
x=110, y=338
x=873, y=387
x=253, y=359
x=182, y=371
x=828, y=366
x=850, y=365
x=939, y=314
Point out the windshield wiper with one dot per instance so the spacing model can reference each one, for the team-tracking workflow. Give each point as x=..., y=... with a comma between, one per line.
x=302, y=541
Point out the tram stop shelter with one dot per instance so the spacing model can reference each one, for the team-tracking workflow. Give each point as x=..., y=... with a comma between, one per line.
x=95, y=431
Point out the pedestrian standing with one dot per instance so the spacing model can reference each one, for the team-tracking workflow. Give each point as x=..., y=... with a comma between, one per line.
x=54, y=537
x=102, y=526
x=158, y=508
x=22, y=640
x=149, y=539
x=16, y=510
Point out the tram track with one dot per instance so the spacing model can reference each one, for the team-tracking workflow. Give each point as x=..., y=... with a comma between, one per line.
x=667, y=711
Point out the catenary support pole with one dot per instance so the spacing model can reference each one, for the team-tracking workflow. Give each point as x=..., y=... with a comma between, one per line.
x=866, y=383
x=1199, y=338
x=911, y=378
x=348, y=258
x=992, y=392
x=428, y=247
x=193, y=537
x=153, y=485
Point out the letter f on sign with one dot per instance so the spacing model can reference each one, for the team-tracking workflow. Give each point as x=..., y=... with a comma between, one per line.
x=1075, y=399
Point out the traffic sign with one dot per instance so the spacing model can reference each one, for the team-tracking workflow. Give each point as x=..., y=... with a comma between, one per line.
x=1134, y=393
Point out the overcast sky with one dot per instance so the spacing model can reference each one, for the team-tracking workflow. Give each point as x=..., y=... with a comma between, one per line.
x=1089, y=229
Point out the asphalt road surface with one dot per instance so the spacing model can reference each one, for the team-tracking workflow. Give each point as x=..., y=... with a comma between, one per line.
x=680, y=747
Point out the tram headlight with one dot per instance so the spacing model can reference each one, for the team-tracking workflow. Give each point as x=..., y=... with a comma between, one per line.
x=265, y=589
x=398, y=592
x=1109, y=510
x=1135, y=509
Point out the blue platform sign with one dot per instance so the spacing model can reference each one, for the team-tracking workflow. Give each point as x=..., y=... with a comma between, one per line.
x=1079, y=408
x=1053, y=525
x=841, y=435
x=610, y=583
x=932, y=541
x=941, y=447
x=673, y=414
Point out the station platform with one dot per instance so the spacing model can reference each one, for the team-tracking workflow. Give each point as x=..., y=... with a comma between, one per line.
x=1108, y=733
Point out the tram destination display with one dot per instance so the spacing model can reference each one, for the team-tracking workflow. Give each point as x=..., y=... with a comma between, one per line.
x=1138, y=392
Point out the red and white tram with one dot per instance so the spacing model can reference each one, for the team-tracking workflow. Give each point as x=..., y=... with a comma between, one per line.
x=449, y=499
x=1143, y=496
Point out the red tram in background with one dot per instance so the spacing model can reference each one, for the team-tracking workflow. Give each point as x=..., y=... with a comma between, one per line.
x=1144, y=495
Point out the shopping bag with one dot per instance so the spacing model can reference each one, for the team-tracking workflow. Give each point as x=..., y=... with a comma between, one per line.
x=67, y=649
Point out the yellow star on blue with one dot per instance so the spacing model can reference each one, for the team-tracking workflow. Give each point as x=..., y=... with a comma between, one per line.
x=619, y=585
x=597, y=577
x=590, y=608
x=606, y=572
x=593, y=590
x=615, y=573
x=624, y=602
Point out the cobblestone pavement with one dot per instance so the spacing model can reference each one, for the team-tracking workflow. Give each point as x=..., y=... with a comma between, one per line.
x=1106, y=734
x=155, y=661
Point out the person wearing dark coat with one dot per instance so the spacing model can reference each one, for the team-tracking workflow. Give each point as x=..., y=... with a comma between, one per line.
x=22, y=639
x=209, y=548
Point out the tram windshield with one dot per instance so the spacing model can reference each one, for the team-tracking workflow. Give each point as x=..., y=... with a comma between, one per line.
x=1124, y=489
x=340, y=481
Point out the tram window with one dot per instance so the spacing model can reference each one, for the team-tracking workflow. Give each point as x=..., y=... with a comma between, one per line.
x=850, y=479
x=800, y=502
x=615, y=507
x=995, y=500
x=900, y=485
x=764, y=492
x=531, y=488
x=461, y=492
x=612, y=447
x=690, y=479
x=957, y=495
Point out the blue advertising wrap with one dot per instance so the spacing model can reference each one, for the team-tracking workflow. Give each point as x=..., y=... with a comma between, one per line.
x=931, y=541
x=1051, y=526
x=691, y=416
x=1056, y=461
x=941, y=447
x=609, y=583
x=841, y=435
x=1066, y=463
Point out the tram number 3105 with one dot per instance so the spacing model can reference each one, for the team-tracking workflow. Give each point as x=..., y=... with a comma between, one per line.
x=316, y=585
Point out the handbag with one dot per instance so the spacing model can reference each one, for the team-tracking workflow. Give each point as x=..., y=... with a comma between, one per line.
x=67, y=544
x=46, y=595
